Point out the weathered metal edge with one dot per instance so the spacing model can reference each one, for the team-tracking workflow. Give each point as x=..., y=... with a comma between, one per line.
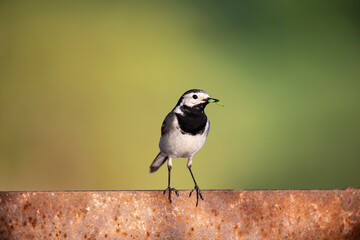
x=132, y=214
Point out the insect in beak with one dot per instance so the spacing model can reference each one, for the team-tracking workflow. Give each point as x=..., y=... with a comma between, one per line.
x=217, y=101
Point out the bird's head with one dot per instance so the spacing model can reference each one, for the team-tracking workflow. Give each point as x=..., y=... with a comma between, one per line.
x=195, y=99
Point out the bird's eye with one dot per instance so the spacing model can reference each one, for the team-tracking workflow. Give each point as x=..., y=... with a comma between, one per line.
x=194, y=96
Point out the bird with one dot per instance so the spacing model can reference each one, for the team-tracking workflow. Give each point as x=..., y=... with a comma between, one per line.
x=183, y=134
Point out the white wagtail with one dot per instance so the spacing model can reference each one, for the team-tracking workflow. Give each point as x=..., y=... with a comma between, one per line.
x=183, y=133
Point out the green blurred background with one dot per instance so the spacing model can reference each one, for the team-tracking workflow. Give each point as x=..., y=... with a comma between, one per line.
x=85, y=86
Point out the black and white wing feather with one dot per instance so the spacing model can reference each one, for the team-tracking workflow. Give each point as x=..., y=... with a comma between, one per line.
x=166, y=127
x=168, y=123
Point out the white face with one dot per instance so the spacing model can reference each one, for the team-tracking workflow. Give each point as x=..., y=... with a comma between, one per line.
x=192, y=99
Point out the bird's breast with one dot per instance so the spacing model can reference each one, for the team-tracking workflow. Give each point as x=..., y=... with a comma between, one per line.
x=178, y=144
x=191, y=123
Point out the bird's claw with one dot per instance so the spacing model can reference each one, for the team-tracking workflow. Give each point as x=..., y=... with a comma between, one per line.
x=170, y=190
x=198, y=194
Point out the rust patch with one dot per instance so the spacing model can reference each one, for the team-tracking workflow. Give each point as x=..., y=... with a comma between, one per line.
x=191, y=232
x=214, y=212
x=27, y=206
x=280, y=214
x=32, y=221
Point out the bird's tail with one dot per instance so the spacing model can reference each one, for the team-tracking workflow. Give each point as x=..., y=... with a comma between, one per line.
x=159, y=160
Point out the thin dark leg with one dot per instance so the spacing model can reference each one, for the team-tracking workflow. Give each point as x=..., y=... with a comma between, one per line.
x=198, y=192
x=170, y=188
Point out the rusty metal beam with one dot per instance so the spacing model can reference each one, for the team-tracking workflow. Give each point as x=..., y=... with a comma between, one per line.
x=224, y=214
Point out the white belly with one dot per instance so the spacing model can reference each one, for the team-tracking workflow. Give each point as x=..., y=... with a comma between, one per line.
x=178, y=145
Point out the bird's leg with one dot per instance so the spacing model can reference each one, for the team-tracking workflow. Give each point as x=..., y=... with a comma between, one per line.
x=198, y=192
x=170, y=188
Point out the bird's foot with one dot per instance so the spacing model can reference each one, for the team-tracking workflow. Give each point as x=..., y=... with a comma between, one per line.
x=198, y=194
x=170, y=190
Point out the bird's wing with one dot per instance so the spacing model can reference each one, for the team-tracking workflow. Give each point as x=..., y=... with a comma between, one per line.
x=168, y=123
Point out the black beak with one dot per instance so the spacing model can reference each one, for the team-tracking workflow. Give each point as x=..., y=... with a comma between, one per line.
x=210, y=100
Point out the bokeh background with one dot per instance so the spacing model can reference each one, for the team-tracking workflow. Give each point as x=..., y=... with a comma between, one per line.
x=85, y=86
